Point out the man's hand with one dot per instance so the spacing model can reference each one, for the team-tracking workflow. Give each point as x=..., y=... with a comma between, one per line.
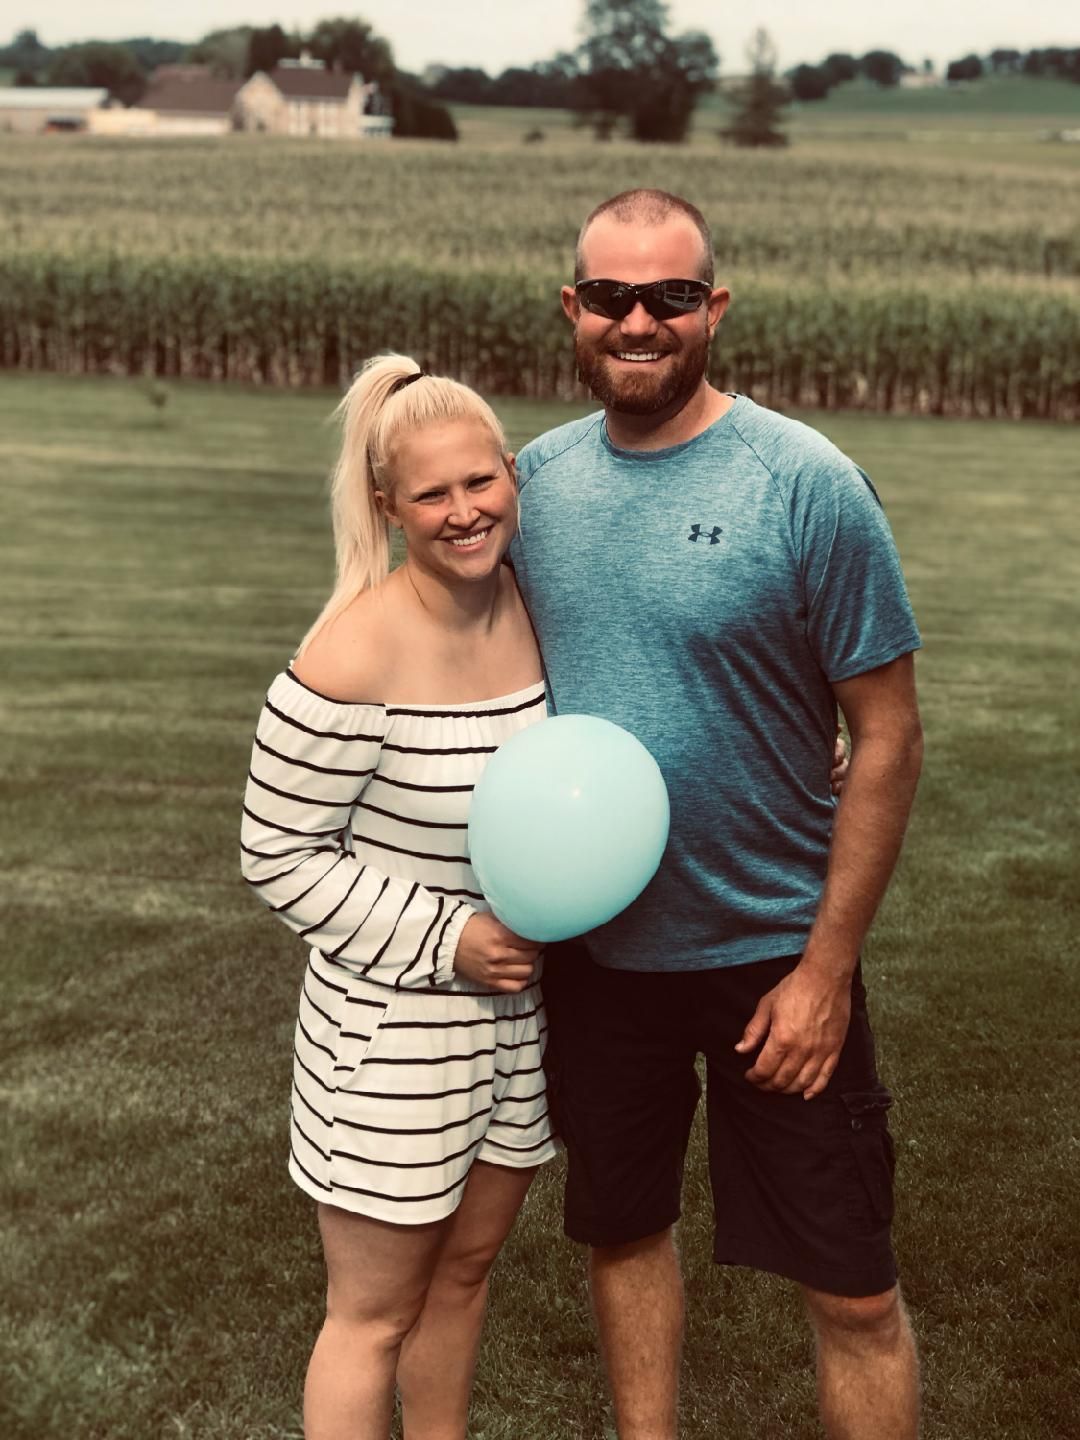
x=803, y=1022
x=491, y=955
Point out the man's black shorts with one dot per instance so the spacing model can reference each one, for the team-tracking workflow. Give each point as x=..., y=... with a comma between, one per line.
x=802, y=1188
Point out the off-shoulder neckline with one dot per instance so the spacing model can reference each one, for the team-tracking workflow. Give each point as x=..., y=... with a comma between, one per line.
x=443, y=708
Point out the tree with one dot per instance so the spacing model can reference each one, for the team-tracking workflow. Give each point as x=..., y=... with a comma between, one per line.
x=561, y=77
x=882, y=67
x=809, y=82
x=225, y=51
x=268, y=47
x=150, y=53
x=466, y=84
x=1005, y=61
x=353, y=46
x=26, y=54
x=551, y=83
x=969, y=68
x=632, y=70
x=1055, y=60
x=759, y=99
x=840, y=68
x=417, y=115
x=99, y=64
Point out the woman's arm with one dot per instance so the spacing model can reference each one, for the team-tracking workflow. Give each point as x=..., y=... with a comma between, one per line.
x=310, y=763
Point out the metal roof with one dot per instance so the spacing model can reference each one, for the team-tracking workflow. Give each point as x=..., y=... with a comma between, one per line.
x=43, y=97
x=195, y=94
x=302, y=82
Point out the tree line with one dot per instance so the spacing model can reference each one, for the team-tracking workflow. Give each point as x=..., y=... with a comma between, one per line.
x=629, y=74
x=883, y=68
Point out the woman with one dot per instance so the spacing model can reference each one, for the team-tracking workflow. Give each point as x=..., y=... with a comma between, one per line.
x=418, y=1112
x=418, y=1115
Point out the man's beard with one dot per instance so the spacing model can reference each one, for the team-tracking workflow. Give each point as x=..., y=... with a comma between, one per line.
x=628, y=393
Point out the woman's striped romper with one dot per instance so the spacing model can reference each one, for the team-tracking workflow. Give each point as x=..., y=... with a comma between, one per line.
x=354, y=833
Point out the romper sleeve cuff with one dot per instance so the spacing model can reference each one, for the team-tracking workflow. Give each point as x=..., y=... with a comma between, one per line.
x=447, y=947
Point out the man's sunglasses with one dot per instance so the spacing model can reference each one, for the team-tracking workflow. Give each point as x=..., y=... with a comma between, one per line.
x=663, y=299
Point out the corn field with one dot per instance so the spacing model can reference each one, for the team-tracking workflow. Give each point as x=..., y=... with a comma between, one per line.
x=893, y=282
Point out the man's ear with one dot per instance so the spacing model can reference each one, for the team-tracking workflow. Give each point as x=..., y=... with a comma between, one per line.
x=719, y=300
x=570, y=303
x=511, y=465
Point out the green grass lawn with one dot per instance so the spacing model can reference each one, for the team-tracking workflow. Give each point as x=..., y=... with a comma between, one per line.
x=159, y=1274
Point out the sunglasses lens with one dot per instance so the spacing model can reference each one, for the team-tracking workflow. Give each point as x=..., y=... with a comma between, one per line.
x=608, y=298
x=669, y=298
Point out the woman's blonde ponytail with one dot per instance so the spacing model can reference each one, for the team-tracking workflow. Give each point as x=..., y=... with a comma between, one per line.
x=381, y=405
x=361, y=532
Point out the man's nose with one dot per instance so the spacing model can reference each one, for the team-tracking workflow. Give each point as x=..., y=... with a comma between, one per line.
x=638, y=322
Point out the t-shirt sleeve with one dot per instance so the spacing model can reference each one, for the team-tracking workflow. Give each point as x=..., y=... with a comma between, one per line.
x=311, y=761
x=858, y=612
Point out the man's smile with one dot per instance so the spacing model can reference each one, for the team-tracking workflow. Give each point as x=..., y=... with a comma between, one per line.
x=637, y=357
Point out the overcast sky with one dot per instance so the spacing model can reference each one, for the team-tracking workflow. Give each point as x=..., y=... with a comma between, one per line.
x=496, y=33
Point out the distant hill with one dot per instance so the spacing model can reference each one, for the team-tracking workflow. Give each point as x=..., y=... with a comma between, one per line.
x=992, y=95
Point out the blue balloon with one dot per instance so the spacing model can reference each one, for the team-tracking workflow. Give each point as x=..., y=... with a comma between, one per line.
x=567, y=826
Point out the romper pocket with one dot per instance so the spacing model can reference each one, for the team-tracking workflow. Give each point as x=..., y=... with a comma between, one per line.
x=866, y=1115
x=362, y=1019
x=340, y=1021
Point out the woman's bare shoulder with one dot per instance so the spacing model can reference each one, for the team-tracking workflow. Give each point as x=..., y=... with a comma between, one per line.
x=348, y=659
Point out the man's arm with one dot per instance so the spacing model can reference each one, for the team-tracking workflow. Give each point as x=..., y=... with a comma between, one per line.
x=804, y=1019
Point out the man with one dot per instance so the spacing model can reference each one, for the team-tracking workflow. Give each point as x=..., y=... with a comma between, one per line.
x=716, y=579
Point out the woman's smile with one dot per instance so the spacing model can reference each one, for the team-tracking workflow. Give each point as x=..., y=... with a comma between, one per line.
x=470, y=542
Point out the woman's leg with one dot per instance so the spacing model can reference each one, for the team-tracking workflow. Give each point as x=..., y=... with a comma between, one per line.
x=435, y=1371
x=377, y=1277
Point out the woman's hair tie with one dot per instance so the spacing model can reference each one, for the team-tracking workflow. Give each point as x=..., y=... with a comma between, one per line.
x=407, y=380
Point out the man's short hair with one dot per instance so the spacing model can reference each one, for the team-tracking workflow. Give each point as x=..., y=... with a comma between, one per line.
x=648, y=207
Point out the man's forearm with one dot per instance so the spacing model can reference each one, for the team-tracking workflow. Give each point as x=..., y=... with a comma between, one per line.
x=867, y=835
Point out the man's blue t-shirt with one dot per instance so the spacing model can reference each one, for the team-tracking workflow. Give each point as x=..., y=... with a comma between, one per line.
x=704, y=597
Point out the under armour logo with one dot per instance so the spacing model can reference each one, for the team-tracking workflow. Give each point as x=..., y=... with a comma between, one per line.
x=714, y=534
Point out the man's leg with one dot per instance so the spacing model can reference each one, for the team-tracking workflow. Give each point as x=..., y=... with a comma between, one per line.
x=624, y=1090
x=867, y=1367
x=805, y=1190
x=637, y=1298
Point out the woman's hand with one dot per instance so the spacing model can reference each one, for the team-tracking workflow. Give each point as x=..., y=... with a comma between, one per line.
x=491, y=955
x=841, y=761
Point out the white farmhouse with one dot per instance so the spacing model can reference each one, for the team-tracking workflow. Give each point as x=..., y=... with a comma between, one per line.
x=302, y=97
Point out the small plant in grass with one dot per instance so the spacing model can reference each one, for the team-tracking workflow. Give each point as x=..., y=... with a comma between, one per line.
x=157, y=397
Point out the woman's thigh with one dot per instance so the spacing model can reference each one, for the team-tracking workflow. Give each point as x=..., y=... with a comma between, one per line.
x=377, y=1270
x=478, y=1227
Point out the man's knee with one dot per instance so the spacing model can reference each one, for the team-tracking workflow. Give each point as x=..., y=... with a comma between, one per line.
x=876, y=1318
x=649, y=1249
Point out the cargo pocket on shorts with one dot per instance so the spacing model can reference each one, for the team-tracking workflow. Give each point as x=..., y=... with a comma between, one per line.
x=866, y=1115
x=361, y=1033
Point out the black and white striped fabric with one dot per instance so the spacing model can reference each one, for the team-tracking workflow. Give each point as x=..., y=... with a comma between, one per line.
x=355, y=834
